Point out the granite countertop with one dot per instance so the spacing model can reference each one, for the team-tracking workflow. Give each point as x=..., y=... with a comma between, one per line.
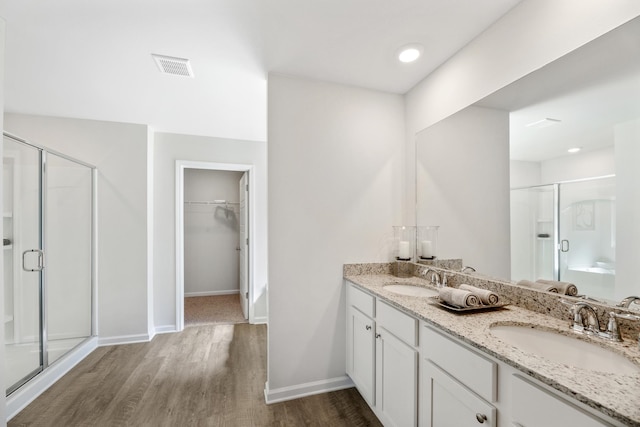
x=617, y=396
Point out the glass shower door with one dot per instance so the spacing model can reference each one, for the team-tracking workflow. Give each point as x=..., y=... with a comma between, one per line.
x=23, y=262
x=587, y=235
x=68, y=233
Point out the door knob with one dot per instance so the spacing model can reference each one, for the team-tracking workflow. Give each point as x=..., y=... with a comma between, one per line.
x=481, y=418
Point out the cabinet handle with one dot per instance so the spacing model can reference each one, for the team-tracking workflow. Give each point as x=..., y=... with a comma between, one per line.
x=368, y=327
x=481, y=418
x=378, y=335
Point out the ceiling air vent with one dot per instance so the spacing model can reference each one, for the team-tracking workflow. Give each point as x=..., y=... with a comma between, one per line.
x=173, y=66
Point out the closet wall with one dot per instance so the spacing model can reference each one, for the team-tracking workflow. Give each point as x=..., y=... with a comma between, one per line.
x=211, y=233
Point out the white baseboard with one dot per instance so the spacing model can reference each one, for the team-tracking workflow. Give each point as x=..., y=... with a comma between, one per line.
x=211, y=293
x=308, y=389
x=259, y=320
x=26, y=394
x=166, y=329
x=124, y=339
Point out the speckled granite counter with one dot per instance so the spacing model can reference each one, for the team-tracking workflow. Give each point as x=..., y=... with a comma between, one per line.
x=617, y=396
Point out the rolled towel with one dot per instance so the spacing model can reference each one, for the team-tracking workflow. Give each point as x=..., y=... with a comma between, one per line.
x=459, y=297
x=538, y=286
x=563, y=287
x=486, y=296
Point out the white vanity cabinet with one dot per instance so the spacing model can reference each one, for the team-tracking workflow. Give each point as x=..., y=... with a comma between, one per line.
x=361, y=352
x=458, y=387
x=532, y=406
x=414, y=373
x=382, y=357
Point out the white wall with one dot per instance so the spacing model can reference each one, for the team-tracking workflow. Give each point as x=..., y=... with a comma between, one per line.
x=120, y=153
x=335, y=191
x=171, y=147
x=463, y=176
x=532, y=34
x=578, y=166
x=211, y=233
x=523, y=174
x=627, y=146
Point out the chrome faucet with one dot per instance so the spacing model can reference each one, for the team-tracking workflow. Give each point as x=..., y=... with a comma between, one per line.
x=612, y=333
x=625, y=303
x=593, y=324
x=436, y=278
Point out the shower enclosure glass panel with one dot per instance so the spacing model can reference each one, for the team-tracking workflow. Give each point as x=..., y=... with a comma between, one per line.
x=48, y=257
x=68, y=242
x=588, y=236
x=533, y=233
x=23, y=262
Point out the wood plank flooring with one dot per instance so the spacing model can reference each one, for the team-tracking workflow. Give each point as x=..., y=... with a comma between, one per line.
x=205, y=376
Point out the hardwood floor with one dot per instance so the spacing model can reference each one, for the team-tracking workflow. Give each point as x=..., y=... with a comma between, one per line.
x=210, y=375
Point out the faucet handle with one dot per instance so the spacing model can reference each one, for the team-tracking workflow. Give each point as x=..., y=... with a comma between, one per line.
x=444, y=278
x=612, y=327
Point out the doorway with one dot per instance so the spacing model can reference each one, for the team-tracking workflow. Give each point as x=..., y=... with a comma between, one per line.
x=213, y=251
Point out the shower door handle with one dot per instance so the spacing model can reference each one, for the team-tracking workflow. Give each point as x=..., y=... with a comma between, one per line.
x=40, y=264
x=564, y=245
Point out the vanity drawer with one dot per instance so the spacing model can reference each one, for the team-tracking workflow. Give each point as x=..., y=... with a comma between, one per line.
x=398, y=323
x=470, y=368
x=361, y=300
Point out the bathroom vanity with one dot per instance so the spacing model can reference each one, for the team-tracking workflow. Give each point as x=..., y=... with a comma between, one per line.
x=416, y=363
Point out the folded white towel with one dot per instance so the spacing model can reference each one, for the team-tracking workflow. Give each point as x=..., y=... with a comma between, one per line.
x=459, y=297
x=539, y=286
x=563, y=287
x=486, y=296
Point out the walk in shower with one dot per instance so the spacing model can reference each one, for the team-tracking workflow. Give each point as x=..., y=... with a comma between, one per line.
x=566, y=231
x=48, y=214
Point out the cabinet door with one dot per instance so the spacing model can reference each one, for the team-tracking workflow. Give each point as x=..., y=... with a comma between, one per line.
x=447, y=403
x=534, y=407
x=396, y=380
x=360, y=353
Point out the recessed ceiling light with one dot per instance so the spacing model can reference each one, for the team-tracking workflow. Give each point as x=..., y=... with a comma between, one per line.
x=544, y=123
x=409, y=53
x=573, y=150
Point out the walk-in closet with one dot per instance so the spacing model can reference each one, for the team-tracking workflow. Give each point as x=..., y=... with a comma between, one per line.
x=215, y=246
x=48, y=245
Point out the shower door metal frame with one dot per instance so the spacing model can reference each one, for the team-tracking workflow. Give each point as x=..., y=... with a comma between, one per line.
x=43, y=152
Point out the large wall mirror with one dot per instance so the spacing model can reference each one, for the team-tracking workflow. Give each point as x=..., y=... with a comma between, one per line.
x=541, y=180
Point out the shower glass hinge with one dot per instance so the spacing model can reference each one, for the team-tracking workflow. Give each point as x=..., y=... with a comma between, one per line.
x=246, y=295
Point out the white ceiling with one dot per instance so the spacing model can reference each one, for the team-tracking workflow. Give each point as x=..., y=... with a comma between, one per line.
x=90, y=59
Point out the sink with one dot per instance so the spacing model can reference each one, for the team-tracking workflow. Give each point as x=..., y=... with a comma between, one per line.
x=411, y=290
x=564, y=349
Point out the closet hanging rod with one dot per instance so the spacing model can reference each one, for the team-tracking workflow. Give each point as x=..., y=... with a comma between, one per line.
x=207, y=202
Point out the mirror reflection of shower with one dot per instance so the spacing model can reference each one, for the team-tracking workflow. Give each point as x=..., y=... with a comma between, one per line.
x=566, y=231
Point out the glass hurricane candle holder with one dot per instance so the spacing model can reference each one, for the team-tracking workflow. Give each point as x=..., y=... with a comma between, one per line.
x=427, y=242
x=404, y=242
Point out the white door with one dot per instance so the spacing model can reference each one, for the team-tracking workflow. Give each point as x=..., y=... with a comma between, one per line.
x=244, y=246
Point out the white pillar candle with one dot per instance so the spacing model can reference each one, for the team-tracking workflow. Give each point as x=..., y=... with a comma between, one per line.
x=427, y=249
x=403, y=252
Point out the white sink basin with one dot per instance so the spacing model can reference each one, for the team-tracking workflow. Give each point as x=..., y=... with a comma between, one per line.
x=564, y=349
x=411, y=290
